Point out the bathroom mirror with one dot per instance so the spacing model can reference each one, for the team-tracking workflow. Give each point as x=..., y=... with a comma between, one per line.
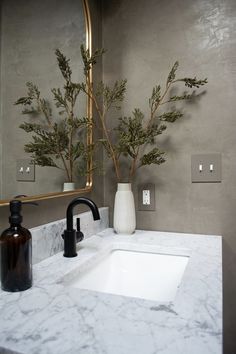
x=31, y=31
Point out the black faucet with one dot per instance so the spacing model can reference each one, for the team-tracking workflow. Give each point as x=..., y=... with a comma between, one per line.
x=70, y=235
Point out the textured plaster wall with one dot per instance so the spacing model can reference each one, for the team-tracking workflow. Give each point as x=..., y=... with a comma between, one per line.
x=143, y=40
x=67, y=24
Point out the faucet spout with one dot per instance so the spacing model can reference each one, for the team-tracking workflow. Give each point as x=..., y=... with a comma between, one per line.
x=70, y=234
x=77, y=201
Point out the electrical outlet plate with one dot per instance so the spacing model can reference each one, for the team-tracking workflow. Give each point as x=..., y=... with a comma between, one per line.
x=206, y=168
x=146, y=197
x=25, y=170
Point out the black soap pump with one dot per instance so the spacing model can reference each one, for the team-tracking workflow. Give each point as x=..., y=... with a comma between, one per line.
x=16, y=253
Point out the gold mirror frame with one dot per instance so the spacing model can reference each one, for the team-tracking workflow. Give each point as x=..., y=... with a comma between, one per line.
x=89, y=181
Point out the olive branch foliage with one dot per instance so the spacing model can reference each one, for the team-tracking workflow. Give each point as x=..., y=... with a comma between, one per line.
x=57, y=142
x=135, y=136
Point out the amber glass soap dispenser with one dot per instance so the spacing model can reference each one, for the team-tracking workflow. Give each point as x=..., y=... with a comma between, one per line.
x=16, y=253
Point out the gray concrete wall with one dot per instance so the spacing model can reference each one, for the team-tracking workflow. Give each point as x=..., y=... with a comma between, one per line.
x=55, y=208
x=143, y=39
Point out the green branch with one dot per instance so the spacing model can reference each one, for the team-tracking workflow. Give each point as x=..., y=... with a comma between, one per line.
x=134, y=134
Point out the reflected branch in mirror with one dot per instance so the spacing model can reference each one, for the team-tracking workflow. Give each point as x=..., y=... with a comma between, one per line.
x=54, y=142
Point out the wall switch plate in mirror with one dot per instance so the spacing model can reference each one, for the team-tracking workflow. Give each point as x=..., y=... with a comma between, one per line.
x=25, y=170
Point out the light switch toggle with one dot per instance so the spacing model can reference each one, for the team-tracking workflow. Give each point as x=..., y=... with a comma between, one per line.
x=211, y=167
x=21, y=170
x=27, y=170
x=200, y=168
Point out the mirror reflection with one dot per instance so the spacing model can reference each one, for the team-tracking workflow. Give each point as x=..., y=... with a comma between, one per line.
x=47, y=126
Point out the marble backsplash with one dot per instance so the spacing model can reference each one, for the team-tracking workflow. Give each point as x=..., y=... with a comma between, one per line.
x=47, y=240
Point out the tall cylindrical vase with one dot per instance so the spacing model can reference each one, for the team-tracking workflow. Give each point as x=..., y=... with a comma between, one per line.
x=124, y=221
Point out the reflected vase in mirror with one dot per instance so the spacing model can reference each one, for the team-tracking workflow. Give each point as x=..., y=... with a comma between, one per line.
x=124, y=210
x=68, y=186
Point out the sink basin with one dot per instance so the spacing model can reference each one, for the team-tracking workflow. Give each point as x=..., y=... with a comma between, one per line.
x=146, y=275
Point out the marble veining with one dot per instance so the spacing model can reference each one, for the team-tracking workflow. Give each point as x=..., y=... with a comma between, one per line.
x=47, y=240
x=53, y=318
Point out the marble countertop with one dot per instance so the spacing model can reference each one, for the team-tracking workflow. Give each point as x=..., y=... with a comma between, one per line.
x=53, y=318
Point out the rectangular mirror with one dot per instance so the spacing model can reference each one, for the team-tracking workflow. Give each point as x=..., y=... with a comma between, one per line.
x=31, y=31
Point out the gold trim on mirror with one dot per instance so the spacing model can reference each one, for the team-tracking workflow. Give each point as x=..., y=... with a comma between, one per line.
x=89, y=181
x=89, y=99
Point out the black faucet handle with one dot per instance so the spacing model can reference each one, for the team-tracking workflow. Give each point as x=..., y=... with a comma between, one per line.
x=78, y=224
x=79, y=234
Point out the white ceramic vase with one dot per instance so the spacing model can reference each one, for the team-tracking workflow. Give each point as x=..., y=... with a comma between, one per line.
x=68, y=186
x=124, y=221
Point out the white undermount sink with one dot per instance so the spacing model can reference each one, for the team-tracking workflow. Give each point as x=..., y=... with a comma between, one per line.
x=141, y=274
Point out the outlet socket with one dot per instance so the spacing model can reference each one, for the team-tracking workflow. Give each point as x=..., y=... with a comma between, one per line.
x=146, y=197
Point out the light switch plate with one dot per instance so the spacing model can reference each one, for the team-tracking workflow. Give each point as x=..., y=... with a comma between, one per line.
x=146, y=197
x=206, y=168
x=25, y=170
